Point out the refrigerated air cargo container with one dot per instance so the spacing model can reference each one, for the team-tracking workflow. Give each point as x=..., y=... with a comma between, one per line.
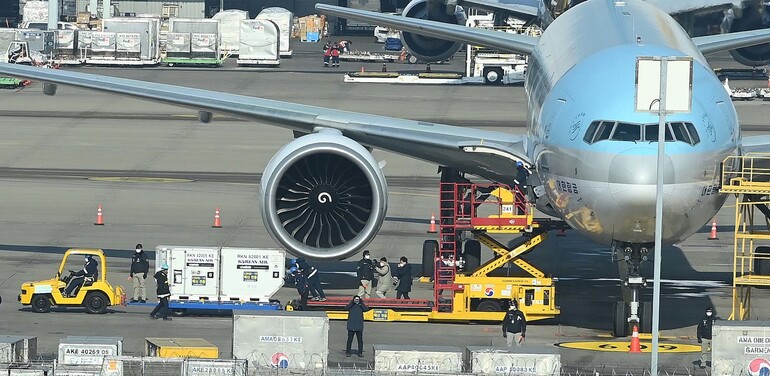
x=222, y=278
x=740, y=347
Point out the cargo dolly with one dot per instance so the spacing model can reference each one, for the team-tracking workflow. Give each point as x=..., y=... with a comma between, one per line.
x=472, y=293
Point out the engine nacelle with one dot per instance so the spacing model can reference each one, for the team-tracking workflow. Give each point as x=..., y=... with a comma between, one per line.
x=751, y=19
x=429, y=49
x=323, y=196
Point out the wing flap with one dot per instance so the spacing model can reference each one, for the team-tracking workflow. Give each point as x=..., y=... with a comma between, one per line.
x=480, y=37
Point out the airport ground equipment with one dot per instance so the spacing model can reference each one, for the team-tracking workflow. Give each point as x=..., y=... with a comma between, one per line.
x=95, y=296
x=222, y=279
x=464, y=288
x=748, y=178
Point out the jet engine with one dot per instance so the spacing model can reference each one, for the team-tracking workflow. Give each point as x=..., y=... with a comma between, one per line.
x=323, y=196
x=429, y=49
x=751, y=19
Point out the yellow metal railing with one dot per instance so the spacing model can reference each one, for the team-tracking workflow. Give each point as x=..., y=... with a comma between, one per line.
x=745, y=172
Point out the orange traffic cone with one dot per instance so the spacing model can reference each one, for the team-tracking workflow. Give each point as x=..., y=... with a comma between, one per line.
x=99, y=219
x=713, y=235
x=217, y=223
x=636, y=347
x=432, y=229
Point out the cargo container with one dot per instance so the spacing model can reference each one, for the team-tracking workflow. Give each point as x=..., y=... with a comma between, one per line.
x=196, y=367
x=103, y=46
x=17, y=349
x=740, y=347
x=80, y=350
x=281, y=339
x=204, y=46
x=178, y=45
x=501, y=361
x=284, y=19
x=180, y=348
x=138, y=39
x=229, y=28
x=65, y=51
x=222, y=278
x=260, y=43
x=418, y=359
x=38, y=40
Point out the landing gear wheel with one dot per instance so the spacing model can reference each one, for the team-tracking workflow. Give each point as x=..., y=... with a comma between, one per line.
x=489, y=306
x=429, y=252
x=493, y=76
x=620, y=320
x=41, y=304
x=645, y=317
x=472, y=254
x=96, y=302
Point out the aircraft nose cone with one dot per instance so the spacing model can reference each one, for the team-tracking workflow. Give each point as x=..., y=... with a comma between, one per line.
x=633, y=176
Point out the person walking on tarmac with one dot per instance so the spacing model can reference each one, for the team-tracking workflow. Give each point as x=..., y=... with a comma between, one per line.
x=404, y=276
x=163, y=292
x=514, y=325
x=335, y=52
x=313, y=279
x=89, y=270
x=704, y=335
x=365, y=273
x=384, y=278
x=356, y=309
x=139, y=268
x=327, y=53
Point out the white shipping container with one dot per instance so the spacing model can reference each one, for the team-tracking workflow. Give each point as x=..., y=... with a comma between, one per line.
x=500, y=361
x=206, y=43
x=103, y=41
x=17, y=349
x=418, y=359
x=148, y=30
x=740, y=347
x=259, y=41
x=129, y=42
x=26, y=372
x=65, y=40
x=178, y=44
x=281, y=339
x=251, y=274
x=215, y=367
x=193, y=271
x=77, y=350
x=229, y=26
x=186, y=25
x=284, y=19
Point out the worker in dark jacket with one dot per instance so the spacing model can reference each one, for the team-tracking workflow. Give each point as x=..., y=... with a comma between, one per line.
x=704, y=334
x=90, y=269
x=365, y=274
x=404, y=276
x=301, y=283
x=356, y=309
x=514, y=325
x=164, y=292
x=139, y=268
x=313, y=279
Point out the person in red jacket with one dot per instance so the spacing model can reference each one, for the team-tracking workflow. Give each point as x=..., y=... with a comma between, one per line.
x=327, y=53
x=335, y=52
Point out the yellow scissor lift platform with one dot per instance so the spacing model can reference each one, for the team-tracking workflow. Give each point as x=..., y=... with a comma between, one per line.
x=475, y=295
x=748, y=177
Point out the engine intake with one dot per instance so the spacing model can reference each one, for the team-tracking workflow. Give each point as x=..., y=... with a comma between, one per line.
x=751, y=19
x=323, y=196
x=429, y=49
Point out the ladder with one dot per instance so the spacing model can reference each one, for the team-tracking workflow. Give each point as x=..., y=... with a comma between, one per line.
x=450, y=213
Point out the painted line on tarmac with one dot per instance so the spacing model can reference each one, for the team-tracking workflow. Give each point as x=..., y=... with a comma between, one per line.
x=137, y=179
x=613, y=346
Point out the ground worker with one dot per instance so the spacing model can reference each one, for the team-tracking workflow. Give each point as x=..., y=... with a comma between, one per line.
x=163, y=291
x=356, y=309
x=514, y=325
x=404, y=276
x=301, y=283
x=335, y=52
x=327, y=53
x=384, y=278
x=365, y=274
x=704, y=335
x=313, y=279
x=139, y=268
x=77, y=280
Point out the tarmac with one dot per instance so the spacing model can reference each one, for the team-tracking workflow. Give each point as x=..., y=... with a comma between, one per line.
x=159, y=174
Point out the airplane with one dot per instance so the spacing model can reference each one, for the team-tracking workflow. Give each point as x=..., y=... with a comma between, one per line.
x=592, y=157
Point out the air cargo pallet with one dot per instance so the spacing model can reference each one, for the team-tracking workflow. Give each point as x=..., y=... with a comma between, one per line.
x=192, y=62
x=118, y=62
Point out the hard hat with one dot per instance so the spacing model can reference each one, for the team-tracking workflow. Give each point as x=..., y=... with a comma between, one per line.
x=164, y=267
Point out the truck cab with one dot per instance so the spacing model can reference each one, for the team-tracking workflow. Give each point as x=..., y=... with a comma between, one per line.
x=95, y=295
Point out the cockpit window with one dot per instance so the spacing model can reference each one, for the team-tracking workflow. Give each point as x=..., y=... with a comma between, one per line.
x=626, y=132
x=616, y=131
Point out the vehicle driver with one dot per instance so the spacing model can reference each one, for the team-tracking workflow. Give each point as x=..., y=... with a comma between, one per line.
x=78, y=278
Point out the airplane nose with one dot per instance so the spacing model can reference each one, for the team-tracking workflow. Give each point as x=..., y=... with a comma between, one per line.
x=632, y=178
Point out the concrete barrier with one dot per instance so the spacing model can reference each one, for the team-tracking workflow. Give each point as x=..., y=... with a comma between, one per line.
x=521, y=361
x=418, y=359
x=17, y=349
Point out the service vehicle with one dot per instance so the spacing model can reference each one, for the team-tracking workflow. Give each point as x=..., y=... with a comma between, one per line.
x=95, y=295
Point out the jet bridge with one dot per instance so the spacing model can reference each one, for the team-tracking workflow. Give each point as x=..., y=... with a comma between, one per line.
x=748, y=178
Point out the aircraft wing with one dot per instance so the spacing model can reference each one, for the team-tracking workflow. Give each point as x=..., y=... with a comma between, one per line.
x=523, y=44
x=684, y=6
x=725, y=42
x=485, y=153
x=756, y=144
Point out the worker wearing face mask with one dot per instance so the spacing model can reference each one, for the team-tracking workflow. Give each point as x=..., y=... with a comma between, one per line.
x=704, y=335
x=365, y=273
x=384, y=278
x=138, y=274
x=514, y=325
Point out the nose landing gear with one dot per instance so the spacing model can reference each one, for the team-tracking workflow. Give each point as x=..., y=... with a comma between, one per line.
x=631, y=310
